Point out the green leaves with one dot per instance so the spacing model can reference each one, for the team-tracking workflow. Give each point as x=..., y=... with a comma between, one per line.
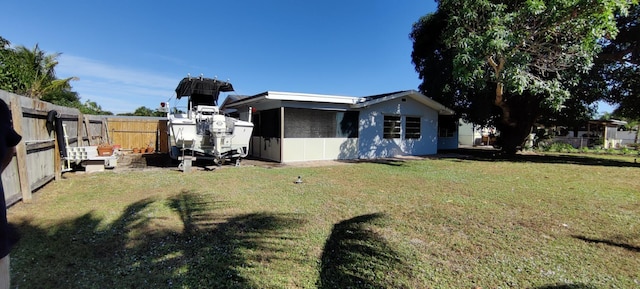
x=31, y=72
x=539, y=40
x=547, y=47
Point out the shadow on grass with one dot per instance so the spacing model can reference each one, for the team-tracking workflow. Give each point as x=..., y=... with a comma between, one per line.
x=494, y=155
x=567, y=286
x=388, y=162
x=608, y=242
x=355, y=256
x=135, y=252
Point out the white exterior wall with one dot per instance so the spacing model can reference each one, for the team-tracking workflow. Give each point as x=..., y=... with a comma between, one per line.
x=313, y=149
x=468, y=134
x=622, y=138
x=371, y=143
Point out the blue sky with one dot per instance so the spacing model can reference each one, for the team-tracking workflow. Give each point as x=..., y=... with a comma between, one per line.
x=128, y=54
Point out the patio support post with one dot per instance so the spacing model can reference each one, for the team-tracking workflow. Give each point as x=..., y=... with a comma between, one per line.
x=282, y=134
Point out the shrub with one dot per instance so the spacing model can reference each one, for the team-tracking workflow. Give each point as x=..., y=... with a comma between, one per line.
x=625, y=150
x=561, y=147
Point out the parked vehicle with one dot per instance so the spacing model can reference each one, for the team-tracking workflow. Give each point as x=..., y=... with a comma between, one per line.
x=203, y=132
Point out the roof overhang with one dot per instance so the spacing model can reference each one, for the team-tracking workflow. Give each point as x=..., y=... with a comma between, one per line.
x=291, y=96
x=610, y=122
x=352, y=102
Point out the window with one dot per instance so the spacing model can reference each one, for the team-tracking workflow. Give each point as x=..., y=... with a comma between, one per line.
x=445, y=132
x=313, y=123
x=447, y=126
x=412, y=127
x=347, y=122
x=391, y=126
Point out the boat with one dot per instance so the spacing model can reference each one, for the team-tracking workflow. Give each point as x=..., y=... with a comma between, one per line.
x=203, y=132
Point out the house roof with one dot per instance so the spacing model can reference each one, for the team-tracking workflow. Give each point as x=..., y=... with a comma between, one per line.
x=415, y=95
x=353, y=102
x=233, y=98
x=610, y=122
x=292, y=96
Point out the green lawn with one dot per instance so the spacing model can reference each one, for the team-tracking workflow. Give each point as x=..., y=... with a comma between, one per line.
x=456, y=222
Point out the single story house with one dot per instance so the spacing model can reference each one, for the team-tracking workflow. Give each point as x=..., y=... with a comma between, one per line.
x=290, y=127
x=604, y=133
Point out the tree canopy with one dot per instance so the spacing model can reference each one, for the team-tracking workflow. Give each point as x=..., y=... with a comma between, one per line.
x=618, y=65
x=31, y=72
x=521, y=57
x=145, y=111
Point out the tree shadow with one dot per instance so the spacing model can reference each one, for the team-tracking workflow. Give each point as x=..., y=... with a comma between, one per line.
x=355, y=256
x=495, y=155
x=608, y=242
x=388, y=161
x=567, y=286
x=136, y=250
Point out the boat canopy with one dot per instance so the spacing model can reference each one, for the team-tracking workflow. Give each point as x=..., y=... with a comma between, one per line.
x=201, y=90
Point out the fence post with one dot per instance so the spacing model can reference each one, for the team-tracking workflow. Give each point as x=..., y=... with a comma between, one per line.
x=21, y=150
x=87, y=128
x=80, y=139
x=57, y=161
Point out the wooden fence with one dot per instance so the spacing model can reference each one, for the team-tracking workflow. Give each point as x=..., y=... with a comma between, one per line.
x=37, y=160
x=139, y=132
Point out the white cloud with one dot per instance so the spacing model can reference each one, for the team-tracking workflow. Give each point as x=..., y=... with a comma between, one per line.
x=116, y=88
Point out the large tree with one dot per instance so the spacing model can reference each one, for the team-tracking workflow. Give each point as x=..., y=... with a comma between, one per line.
x=619, y=65
x=31, y=72
x=521, y=56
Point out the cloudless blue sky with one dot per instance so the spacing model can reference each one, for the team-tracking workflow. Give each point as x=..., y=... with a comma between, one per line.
x=128, y=54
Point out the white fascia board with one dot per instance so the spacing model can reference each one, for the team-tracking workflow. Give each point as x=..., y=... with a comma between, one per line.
x=293, y=96
x=308, y=97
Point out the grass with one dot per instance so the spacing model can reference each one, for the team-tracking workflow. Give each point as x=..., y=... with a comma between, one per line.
x=460, y=221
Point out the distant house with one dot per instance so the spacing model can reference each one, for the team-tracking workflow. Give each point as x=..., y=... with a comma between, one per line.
x=292, y=127
x=604, y=133
x=470, y=134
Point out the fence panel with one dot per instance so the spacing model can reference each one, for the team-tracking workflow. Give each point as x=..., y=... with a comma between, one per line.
x=138, y=132
x=37, y=160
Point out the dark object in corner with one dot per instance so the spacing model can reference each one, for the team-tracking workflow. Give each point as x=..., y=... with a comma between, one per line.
x=54, y=118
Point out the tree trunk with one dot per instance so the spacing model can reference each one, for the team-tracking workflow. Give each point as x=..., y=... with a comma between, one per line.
x=518, y=114
x=523, y=111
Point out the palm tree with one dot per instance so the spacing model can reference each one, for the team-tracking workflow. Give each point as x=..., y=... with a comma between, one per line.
x=35, y=71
